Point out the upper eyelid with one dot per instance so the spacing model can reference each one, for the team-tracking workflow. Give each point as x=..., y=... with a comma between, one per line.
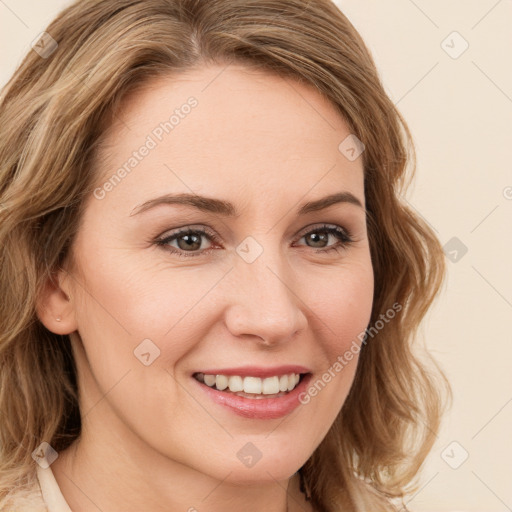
x=204, y=230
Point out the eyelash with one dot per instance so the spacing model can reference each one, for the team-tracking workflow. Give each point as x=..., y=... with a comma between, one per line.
x=343, y=235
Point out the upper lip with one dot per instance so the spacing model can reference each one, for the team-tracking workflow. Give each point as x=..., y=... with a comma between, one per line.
x=257, y=371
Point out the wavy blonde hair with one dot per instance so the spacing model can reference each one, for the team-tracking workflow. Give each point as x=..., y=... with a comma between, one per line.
x=53, y=113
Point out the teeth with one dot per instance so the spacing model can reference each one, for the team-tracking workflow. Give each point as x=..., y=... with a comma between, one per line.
x=236, y=383
x=291, y=381
x=209, y=380
x=251, y=385
x=271, y=386
x=221, y=382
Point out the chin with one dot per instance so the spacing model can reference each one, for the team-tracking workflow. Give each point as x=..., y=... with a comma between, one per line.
x=277, y=466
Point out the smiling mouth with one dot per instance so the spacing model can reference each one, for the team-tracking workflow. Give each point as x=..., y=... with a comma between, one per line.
x=252, y=387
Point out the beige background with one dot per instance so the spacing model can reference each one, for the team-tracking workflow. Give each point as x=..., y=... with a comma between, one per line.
x=460, y=113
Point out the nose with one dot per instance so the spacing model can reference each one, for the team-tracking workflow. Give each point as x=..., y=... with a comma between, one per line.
x=263, y=303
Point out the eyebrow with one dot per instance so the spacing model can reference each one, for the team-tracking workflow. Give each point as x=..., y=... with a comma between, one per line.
x=225, y=208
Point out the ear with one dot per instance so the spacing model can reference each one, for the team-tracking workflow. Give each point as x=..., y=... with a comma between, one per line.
x=54, y=306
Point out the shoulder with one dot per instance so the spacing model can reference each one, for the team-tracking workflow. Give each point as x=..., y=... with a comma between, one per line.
x=26, y=498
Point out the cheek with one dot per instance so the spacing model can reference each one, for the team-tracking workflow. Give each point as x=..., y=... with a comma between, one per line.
x=343, y=311
x=125, y=307
x=140, y=296
x=343, y=305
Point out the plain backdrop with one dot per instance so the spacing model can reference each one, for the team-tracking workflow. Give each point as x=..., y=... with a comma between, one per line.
x=448, y=67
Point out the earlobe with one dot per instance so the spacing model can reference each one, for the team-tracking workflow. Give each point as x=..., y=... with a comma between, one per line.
x=54, y=306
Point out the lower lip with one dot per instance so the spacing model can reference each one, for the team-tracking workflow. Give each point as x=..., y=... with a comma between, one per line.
x=258, y=408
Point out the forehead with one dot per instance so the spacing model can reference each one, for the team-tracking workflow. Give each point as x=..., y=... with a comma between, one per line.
x=228, y=130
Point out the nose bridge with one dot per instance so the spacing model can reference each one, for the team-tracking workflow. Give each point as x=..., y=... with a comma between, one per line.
x=265, y=304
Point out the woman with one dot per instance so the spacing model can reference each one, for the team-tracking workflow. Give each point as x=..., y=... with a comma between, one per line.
x=211, y=287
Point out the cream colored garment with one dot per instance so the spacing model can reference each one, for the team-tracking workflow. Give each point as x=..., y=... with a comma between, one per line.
x=50, y=490
x=41, y=493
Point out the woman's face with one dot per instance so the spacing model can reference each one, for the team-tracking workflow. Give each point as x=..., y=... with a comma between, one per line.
x=207, y=250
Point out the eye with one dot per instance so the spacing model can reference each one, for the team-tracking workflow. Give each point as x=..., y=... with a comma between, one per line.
x=321, y=235
x=188, y=240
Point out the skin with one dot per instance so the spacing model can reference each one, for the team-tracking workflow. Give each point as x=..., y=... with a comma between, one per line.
x=151, y=438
